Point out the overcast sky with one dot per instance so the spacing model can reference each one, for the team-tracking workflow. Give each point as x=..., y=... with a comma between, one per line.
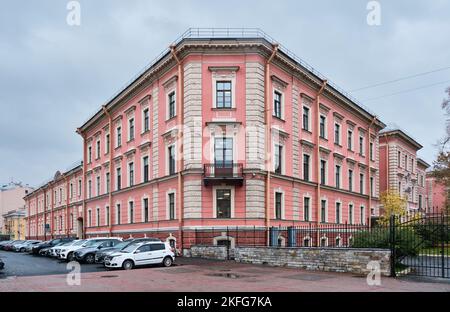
x=54, y=76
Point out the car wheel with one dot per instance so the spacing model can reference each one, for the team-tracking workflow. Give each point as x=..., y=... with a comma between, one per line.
x=128, y=265
x=70, y=256
x=89, y=258
x=22, y=249
x=167, y=262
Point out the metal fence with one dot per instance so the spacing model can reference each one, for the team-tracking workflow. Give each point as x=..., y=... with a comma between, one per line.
x=4, y=237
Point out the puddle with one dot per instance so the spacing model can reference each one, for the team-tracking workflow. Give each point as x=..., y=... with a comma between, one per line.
x=228, y=275
x=108, y=276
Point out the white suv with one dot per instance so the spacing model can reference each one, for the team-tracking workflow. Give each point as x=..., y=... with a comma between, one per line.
x=67, y=252
x=141, y=254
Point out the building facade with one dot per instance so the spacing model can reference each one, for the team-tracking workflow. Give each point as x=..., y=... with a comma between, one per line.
x=227, y=132
x=401, y=169
x=56, y=208
x=11, y=199
x=14, y=224
x=437, y=196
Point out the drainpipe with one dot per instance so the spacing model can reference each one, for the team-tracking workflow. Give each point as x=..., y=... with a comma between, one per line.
x=45, y=213
x=180, y=160
x=369, y=173
x=317, y=147
x=108, y=114
x=37, y=219
x=268, y=122
x=83, y=135
x=52, y=214
x=66, y=180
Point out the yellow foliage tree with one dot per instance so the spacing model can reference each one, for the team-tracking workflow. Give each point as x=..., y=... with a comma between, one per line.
x=393, y=203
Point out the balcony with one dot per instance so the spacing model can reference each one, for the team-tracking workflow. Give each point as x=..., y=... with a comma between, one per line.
x=229, y=174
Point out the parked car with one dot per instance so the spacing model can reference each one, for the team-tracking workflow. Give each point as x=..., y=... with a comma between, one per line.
x=67, y=253
x=21, y=247
x=87, y=253
x=36, y=249
x=10, y=245
x=29, y=248
x=102, y=253
x=3, y=243
x=2, y=264
x=51, y=252
x=141, y=254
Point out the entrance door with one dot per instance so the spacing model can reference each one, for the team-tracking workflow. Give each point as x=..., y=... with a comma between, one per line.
x=80, y=228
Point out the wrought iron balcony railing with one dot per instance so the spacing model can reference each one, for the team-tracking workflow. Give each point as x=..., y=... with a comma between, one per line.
x=231, y=173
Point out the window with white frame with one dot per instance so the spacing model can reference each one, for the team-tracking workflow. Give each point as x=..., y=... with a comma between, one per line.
x=106, y=215
x=89, y=157
x=224, y=94
x=371, y=151
x=107, y=181
x=323, y=127
x=131, y=212
x=145, y=120
x=338, y=212
x=307, y=209
x=79, y=187
x=89, y=188
x=362, y=214
x=107, y=143
x=337, y=178
x=98, y=186
x=97, y=150
x=119, y=136
x=145, y=169
x=361, y=145
x=131, y=129
x=90, y=217
x=131, y=174
x=323, y=172
x=306, y=118
x=171, y=205
x=145, y=210
x=323, y=210
x=171, y=105
x=306, y=167
x=361, y=183
x=171, y=159
x=350, y=214
x=278, y=159
x=118, y=214
x=350, y=180
x=97, y=216
x=118, y=179
x=337, y=134
x=279, y=205
x=278, y=104
x=350, y=140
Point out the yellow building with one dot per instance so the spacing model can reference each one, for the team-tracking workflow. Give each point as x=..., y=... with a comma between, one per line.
x=14, y=224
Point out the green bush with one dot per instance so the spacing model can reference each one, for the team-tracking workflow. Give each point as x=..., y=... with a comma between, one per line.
x=407, y=242
x=432, y=233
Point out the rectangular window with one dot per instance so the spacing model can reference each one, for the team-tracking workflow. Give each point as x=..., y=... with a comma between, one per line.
x=305, y=118
x=119, y=179
x=171, y=152
x=350, y=213
x=98, y=186
x=406, y=162
x=420, y=202
x=399, y=158
x=371, y=151
x=277, y=104
x=322, y=128
x=119, y=136
x=361, y=146
x=371, y=186
x=338, y=213
x=223, y=155
x=323, y=211
x=97, y=156
x=323, y=172
x=306, y=161
x=107, y=215
x=350, y=180
x=172, y=206
x=223, y=94
x=338, y=176
x=223, y=203
x=146, y=117
x=90, y=218
x=131, y=207
x=337, y=134
x=306, y=208
x=145, y=168
x=108, y=182
x=278, y=158
x=119, y=217
x=131, y=174
x=79, y=187
x=131, y=129
x=145, y=209
x=361, y=183
x=171, y=99
x=278, y=205
x=350, y=140
x=89, y=154
x=107, y=143
x=89, y=189
x=97, y=217
x=71, y=190
x=362, y=216
x=71, y=221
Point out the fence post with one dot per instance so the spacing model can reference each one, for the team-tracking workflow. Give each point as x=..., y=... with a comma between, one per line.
x=443, y=228
x=228, y=244
x=392, y=244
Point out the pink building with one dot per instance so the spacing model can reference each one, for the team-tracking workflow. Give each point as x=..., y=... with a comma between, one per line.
x=55, y=208
x=401, y=169
x=437, y=195
x=227, y=132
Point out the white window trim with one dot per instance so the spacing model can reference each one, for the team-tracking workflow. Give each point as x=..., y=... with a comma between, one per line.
x=340, y=176
x=98, y=147
x=362, y=189
x=107, y=185
x=121, y=178
x=283, y=158
x=142, y=168
x=352, y=219
x=143, y=119
x=128, y=173
x=340, y=211
x=325, y=128
x=97, y=216
x=131, y=117
x=106, y=143
x=326, y=209
x=363, y=221
x=98, y=184
x=171, y=191
x=168, y=157
x=142, y=208
x=106, y=214
x=362, y=152
x=214, y=189
x=117, y=136
x=89, y=153
x=310, y=208
x=283, y=208
x=168, y=92
x=213, y=143
x=89, y=220
x=309, y=167
x=117, y=213
x=309, y=119
x=326, y=171
x=131, y=200
x=282, y=102
x=352, y=147
x=233, y=90
x=352, y=187
x=339, y=135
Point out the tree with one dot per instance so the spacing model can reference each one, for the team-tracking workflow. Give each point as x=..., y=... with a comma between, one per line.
x=393, y=204
x=446, y=107
x=441, y=172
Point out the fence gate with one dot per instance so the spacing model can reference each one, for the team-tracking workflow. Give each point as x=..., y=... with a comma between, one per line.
x=420, y=245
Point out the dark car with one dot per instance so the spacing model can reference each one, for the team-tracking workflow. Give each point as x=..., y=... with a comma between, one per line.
x=2, y=265
x=9, y=246
x=35, y=250
x=102, y=253
x=87, y=253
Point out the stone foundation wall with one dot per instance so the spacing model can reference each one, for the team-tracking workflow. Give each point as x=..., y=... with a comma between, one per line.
x=207, y=252
x=351, y=260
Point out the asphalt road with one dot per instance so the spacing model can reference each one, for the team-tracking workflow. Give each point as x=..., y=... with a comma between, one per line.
x=23, y=264
x=430, y=266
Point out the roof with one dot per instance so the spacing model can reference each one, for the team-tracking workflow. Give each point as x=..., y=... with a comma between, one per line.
x=423, y=163
x=222, y=35
x=401, y=134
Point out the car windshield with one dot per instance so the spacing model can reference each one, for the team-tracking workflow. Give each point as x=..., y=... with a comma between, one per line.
x=121, y=245
x=79, y=243
x=129, y=248
x=93, y=243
